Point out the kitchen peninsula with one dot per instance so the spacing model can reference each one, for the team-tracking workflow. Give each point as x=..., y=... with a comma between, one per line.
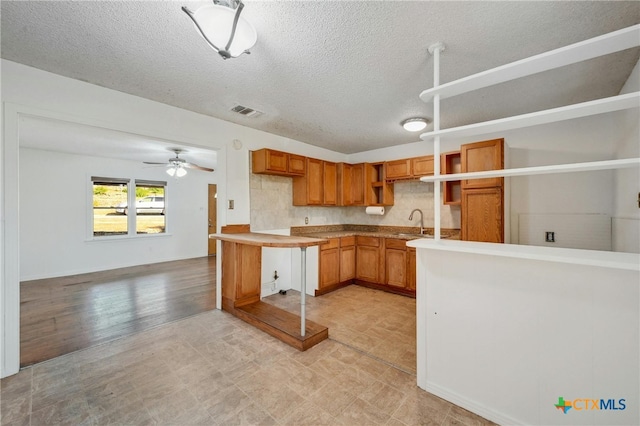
x=241, y=265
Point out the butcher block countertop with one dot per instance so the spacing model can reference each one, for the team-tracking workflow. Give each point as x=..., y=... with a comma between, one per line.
x=269, y=240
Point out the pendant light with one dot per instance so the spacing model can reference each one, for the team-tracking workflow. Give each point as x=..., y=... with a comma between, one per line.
x=222, y=27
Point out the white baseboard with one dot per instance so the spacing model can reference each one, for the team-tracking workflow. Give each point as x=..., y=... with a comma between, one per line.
x=474, y=407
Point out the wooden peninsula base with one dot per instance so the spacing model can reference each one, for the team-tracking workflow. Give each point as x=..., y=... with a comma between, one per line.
x=241, y=285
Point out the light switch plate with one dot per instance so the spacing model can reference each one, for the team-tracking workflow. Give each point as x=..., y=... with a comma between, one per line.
x=231, y=204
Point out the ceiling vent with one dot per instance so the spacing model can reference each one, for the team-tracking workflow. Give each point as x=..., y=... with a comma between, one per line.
x=246, y=111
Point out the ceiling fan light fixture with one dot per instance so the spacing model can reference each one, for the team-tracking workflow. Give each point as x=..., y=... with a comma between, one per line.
x=222, y=27
x=181, y=171
x=171, y=171
x=415, y=124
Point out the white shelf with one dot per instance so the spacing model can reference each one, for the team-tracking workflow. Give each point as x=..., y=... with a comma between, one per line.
x=539, y=170
x=603, y=259
x=608, y=43
x=585, y=109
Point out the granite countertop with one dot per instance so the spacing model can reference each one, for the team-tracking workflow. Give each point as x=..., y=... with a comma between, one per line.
x=399, y=232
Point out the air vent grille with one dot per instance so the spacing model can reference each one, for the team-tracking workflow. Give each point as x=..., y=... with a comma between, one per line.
x=246, y=111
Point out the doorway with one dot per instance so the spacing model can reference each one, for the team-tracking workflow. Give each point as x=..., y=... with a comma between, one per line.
x=213, y=223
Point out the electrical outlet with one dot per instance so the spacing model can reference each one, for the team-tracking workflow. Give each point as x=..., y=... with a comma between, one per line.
x=550, y=237
x=306, y=220
x=231, y=204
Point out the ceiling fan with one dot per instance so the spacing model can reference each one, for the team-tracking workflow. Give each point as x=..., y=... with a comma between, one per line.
x=177, y=166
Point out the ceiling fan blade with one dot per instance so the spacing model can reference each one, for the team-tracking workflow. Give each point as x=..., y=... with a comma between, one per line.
x=195, y=166
x=151, y=162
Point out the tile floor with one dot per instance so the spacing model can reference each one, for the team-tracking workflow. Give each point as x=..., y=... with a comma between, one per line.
x=380, y=324
x=214, y=369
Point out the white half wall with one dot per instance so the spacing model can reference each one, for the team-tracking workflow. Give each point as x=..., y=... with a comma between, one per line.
x=506, y=336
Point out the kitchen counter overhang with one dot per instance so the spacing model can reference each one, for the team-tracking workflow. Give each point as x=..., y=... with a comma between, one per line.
x=241, y=282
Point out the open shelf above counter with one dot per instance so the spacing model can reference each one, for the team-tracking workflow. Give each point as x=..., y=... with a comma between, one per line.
x=598, y=46
x=585, y=109
x=539, y=170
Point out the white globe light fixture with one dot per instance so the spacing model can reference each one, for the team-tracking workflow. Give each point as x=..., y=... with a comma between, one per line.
x=414, y=124
x=222, y=27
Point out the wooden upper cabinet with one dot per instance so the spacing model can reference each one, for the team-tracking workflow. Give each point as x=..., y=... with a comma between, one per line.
x=398, y=169
x=481, y=156
x=377, y=191
x=452, y=190
x=330, y=180
x=350, y=184
x=309, y=189
x=272, y=162
x=297, y=165
x=422, y=166
x=408, y=168
x=357, y=184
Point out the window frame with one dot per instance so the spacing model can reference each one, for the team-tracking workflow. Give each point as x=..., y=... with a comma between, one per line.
x=132, y=184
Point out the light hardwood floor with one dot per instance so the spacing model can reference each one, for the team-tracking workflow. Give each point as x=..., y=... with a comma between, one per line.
x=62, y=315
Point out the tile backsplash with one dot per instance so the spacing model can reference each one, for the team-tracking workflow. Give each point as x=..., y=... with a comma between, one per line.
x=271, y=207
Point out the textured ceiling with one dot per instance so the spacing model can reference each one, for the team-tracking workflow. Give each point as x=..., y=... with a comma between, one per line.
x=336, y=74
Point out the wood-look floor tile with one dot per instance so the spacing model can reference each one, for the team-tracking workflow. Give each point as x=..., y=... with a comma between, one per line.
x=72, y=409
x=225, y=409
x=308, y=414
x=362, y=413
x=332, y=398
x=383, y=396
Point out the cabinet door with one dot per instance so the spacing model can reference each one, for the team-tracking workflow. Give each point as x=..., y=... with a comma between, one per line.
x=422, y=166
x=367, y=258
x=296, y=165
x=329, y=269
x=411, y=268
x=357, y=185
x=347, y=263
x=344, y=184
x=309, y=189
x=481, y=156
x=482, y=215
x=268, y=161
x=396, y=267
x=398, y=169
x=330, y=188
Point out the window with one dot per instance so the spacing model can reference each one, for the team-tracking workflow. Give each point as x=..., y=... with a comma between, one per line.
x=112, y=214
x=109, y=195
x=150, y=207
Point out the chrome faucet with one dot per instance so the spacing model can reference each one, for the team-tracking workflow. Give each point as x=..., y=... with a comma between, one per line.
x=421, y=219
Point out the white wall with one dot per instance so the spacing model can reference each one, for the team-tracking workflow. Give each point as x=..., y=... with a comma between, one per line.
x=29, y=91
x=626, y=221
x=505, y=337
x=54, y=217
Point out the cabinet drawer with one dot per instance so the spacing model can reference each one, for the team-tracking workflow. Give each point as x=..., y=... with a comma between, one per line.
x=368, y=241
x=348, y=241
x=333, y=243
x=393, y=243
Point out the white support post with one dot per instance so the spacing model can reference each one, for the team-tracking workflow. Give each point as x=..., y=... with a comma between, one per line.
x=435, y=50
x=303, y=289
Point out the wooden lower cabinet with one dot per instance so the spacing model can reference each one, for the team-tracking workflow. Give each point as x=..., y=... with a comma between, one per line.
x=482, y=215
x=347, y=259
x=368, y=254
x=411, y=269
x=337, y=264
x=400, y=266
x=395, y=262
x=329, y=267
x=381, y=263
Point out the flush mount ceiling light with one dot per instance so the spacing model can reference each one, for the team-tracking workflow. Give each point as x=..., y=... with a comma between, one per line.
x=221, y=25
x=414, y=124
